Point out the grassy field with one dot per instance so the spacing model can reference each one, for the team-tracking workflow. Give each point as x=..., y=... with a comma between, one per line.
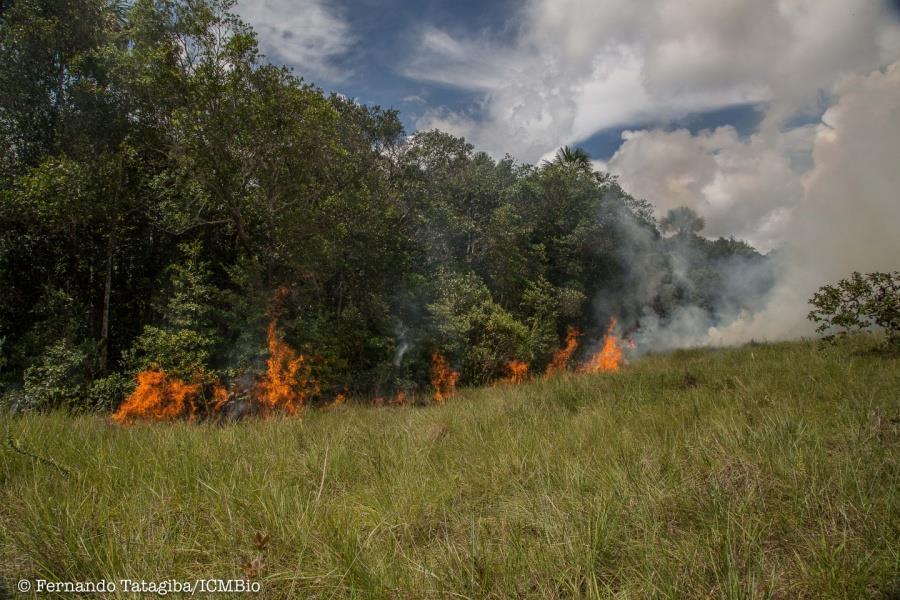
x=765, y=471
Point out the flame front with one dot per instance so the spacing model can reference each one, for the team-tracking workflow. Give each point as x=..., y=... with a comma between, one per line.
x=561, y=357
x=288, y=381
x=516, y=372
x=443, y=378
x=220, y=396
x=159, y=397
x=609, y=358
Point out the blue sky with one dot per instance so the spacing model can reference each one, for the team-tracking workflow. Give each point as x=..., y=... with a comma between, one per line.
x=714, y=104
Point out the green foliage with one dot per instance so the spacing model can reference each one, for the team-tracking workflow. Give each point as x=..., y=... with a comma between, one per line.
x=860, y=302
x=477, y=331
x=183, y=345
x=57, y=380
x=105, y=394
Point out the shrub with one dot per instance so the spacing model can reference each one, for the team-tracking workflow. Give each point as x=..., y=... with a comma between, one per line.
x=57, y=380
x=860, y=302
x=107, y=393
x=475, y=331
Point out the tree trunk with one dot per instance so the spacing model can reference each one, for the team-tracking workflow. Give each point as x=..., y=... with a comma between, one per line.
x=104, y=325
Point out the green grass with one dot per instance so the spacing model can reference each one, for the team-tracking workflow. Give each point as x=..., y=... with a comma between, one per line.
x=765, y=471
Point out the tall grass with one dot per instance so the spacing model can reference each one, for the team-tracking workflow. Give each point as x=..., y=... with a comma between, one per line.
x=766, y=471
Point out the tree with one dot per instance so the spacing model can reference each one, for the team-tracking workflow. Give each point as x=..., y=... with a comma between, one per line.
x=859, y=302
x=682, y=221
x=184, y=340
x=575, y=157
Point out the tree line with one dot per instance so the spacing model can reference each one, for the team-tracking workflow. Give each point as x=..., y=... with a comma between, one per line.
x=160, y=181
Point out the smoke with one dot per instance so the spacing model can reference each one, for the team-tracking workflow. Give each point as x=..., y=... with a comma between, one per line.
x=825, y=199
x=742, y=187
x=848, y=218
x=401, y=334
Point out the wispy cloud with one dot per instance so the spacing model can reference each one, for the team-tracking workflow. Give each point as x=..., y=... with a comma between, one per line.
x=308, y=35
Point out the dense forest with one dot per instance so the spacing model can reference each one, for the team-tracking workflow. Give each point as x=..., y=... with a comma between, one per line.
x=166, y=195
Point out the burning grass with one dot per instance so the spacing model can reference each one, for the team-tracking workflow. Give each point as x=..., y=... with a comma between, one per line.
x=284, y=387
x=159, y=397
x=443, y=378
x=610, y=357
x=516, y=372
x=289, y=383
x=774, y=478
x=560, y=361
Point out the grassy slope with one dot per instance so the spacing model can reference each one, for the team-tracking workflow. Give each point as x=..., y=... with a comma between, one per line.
x=754, y=472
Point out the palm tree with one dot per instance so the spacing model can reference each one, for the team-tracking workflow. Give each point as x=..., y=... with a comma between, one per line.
x=573, y=156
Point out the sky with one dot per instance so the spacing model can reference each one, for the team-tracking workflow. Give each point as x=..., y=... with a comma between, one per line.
x=712, y=104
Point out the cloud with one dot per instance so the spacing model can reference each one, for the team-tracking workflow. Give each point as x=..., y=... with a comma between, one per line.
x=579, y=66
x=305, y=34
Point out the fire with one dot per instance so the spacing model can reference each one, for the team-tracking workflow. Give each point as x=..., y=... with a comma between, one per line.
x=516, y=372
x=220, y=396
x=609, y=358
x=399, y=399
x=288, y=381
x=443, y=378
x=286, y=385
x=561, y=357
x=159, y=397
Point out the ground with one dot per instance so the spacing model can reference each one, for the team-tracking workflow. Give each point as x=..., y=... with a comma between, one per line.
x=763, y=471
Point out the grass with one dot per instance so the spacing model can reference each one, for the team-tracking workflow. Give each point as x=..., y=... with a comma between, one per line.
x=769, y=471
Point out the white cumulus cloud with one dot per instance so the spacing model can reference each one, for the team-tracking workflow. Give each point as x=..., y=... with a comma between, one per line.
x=579, y=66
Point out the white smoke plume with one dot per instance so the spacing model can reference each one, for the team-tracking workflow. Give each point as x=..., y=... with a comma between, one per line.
x=848, y=218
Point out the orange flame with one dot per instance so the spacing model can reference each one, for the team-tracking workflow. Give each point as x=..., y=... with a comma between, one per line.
x=286, y=385
x=158, y=397
x=288, y=381
x=220, y=395
x=516, y=372
x=443, y=378
x=561, y=357
x=609, y=358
